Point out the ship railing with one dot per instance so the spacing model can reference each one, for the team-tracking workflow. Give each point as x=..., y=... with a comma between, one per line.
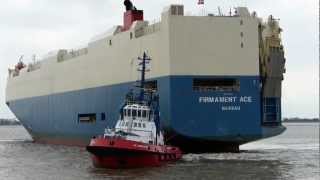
x=136, y=130
x=155, y=26
x=31, y=67
x=215, y=88
x=34, y=66
x=131, y=102
x=211, y=13
x=13, y=73
x=64, y=55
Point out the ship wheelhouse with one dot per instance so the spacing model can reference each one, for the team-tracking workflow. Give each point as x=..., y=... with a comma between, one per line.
x=136, y=111
x=136, y=123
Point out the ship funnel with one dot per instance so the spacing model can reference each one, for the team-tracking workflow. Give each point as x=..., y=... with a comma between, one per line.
x=129, y=5
x=131, y=15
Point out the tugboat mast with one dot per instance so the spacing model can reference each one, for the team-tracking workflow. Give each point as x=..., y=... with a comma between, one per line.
x=145, y=60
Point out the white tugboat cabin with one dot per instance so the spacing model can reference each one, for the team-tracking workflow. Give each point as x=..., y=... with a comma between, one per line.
x=136, y=123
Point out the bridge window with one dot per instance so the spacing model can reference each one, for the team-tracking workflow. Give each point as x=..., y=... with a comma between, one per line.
x=139, y=113
x=144, y=113
x=134, y=113
x=87, y=118
x=149, y=114
x=222, y=85
x=129, y=112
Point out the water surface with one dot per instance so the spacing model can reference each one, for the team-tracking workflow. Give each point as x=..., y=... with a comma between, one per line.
x=292, y=155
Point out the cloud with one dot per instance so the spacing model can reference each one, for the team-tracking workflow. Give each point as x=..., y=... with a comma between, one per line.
x=301, y=93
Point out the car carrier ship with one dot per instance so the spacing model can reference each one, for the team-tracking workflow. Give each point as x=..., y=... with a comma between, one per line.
x=218, y=77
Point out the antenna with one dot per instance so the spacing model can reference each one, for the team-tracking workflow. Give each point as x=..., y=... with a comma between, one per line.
x=219, y=9
x=143, y=61
x=34, y=59
x=21, y=58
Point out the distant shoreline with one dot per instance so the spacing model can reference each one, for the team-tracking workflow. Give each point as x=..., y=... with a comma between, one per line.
x=15, y=122
x=300, y=120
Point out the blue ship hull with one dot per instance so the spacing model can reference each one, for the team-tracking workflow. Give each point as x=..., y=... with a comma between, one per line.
x=192, y=120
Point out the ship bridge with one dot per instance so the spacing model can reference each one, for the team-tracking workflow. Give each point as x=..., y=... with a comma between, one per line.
x=137, y=111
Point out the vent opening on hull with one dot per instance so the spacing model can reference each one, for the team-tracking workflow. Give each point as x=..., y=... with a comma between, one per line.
x=215, y=84
x=87, y=118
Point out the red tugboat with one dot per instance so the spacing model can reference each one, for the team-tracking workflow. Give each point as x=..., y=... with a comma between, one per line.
x=136, y=141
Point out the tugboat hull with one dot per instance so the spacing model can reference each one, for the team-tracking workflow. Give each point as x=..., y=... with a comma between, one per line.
x=119, y=153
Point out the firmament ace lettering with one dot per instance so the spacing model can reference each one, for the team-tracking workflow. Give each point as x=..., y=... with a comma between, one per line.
x=242, y=99
x=217, y=99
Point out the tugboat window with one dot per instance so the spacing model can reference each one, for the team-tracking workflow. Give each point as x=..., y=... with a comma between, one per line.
x=139, y=124
x=135, y=125
x=144, y=125
x=139, y=113
x=134, y=113
x=150, y=114
x=144, y=113
x=220, y=85
x=129, y=112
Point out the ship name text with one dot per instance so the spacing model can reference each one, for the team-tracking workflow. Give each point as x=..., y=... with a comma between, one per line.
x=228, y=99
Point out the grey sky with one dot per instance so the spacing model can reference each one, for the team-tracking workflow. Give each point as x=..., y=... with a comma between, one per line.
x=39, y=26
